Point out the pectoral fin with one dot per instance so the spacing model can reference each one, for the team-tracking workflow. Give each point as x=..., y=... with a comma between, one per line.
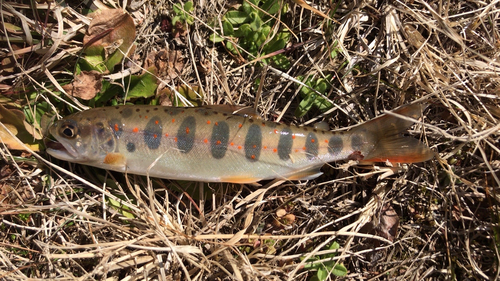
x=115, y=159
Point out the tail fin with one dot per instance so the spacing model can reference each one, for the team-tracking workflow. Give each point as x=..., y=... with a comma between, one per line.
x=390, y=144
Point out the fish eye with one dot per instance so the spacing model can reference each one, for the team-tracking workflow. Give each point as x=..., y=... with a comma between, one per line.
x=68, y=130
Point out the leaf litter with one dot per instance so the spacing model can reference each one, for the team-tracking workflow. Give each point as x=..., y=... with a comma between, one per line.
x=436, y=220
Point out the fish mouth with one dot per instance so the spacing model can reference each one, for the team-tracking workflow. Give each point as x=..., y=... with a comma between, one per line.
x=59, y=150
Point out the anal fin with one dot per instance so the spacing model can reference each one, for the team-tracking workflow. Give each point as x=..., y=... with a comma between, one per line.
x=308, y=174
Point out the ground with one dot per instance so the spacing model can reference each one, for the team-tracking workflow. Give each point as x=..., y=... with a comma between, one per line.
x=341, y=62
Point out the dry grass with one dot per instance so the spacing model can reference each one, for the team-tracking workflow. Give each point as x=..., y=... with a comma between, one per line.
x=63, y=225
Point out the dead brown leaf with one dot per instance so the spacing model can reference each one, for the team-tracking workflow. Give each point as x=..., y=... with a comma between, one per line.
x=13, y=120
x=86, y=85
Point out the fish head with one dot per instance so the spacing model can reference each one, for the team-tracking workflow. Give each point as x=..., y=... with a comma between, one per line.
x=81, y=140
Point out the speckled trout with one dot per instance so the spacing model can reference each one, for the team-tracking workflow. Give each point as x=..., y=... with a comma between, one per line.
x=215, y=144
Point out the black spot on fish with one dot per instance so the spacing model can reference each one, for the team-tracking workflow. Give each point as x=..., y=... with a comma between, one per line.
x=116, y=127
x=117, y=107
x=127, y=112
x=356, y=143
x=186, y=134
x=147, y=110
x=312, y=146
x=130, y=147
x=335, y=145
x=285, y=144
x=250, y=120
x=253, y=143
x=220, y=139
x=137, y=110
x=153, y=133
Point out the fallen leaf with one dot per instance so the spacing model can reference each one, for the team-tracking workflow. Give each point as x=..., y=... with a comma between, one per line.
x=86, y=85
x=192, y=94
x=13, y=120
x=389, y=223
x=110, y=35
x=168, y=64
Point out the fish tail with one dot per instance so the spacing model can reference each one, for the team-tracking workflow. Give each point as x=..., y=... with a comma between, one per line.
x=390, y=144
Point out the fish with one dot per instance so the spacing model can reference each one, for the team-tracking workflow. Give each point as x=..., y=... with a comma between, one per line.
x=220, y=144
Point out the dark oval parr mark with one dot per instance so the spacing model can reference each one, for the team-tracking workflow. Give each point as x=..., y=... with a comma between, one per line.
x=186, y=134
x=153, y=133
x=335, y=145
x=253, y=143
x=285, y=144
x=312, y=146
x=356, y=143
x=220, y=139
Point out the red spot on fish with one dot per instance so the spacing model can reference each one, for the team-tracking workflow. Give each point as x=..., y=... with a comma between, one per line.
x=216, y=124
x=293, y=136
x=187, y=130
x=263, y=124
x=239, y=146
x=218, y=142
x=173, y=120
x=182, y=111
x=296, y=150
x=155, y=136
x=232, y=143
x=135, y=130
x=146, y=117
x=304, y=148
x=326, y=141
x=265, y=147
x=156, y=122
x=116, y=127
x=254, y=146
x=275, y=150
x=240, y=125
x=313, y=140
x=275, y=131
x=253, y=156
x=208, y=122
x=166, y=134
x=205, y=140
x=175, y=139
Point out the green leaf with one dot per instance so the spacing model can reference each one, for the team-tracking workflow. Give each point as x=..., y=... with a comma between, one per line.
x=255, y=21
x=243, y=31
x=176, y=19
x=228, y=28
x=339, y=270
x=305, y=105
x=177, y=9
x=216, y=38
x=274, y=46
x=237, y=17
x=271, y=7
x=322, y=273
x=143, y=86
x=188, y=6
x=122, y=209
